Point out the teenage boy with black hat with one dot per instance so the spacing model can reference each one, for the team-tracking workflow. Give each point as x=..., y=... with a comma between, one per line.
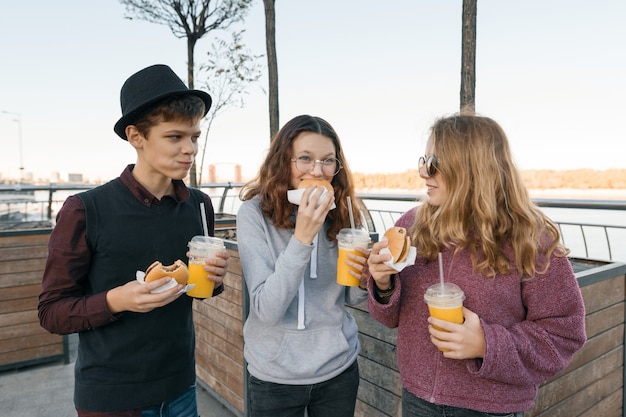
x=136, y=348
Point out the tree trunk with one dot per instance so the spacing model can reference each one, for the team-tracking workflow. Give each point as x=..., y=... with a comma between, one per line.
x=272, y=64
x=468, y=57
x=191, y=44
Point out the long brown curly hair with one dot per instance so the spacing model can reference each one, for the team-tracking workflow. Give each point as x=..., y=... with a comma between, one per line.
x=273, y=179
x=488, y=207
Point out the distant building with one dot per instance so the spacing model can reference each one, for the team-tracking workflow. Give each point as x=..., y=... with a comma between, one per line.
x=74, y=177
x=211, y=173
x=224, y=172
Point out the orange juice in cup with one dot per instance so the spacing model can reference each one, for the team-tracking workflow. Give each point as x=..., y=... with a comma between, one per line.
x=445, y=302
x=347, y=241
x=202, y=248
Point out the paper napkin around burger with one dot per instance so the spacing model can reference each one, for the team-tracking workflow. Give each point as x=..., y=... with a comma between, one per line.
x=295, y=196
x=141, y=275
x=399, y=266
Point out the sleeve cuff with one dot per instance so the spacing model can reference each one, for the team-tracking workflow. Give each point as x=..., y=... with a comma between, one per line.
x=218, y=290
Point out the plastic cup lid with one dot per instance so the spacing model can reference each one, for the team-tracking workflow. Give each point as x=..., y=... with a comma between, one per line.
x=206, y=241
x=449, y=292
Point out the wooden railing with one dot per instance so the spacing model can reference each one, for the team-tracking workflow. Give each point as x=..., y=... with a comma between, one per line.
x=593, y=384
x=22, y=340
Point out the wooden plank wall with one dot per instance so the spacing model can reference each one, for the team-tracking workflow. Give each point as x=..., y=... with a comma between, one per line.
x=219, y=339
x=592, y=385
x=380, y=389
x=22, y=340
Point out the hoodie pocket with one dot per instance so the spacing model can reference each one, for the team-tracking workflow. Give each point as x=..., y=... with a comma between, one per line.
x=308, y=354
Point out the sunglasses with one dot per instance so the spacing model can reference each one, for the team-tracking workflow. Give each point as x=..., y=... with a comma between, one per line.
x=430, y=163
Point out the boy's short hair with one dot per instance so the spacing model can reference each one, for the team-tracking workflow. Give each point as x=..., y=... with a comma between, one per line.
x=150, y=88
x=186, y=108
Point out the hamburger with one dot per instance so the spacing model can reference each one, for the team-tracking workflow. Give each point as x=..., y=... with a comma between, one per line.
x=399, y=243
x=318, y=182
x=178, y=270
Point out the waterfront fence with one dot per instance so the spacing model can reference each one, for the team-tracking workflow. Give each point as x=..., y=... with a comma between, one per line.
x=604, y=239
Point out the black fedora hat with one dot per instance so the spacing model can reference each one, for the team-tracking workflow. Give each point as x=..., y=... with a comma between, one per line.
x=146, y=88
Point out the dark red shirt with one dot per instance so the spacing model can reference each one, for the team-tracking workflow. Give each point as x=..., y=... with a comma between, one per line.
x=63, y=306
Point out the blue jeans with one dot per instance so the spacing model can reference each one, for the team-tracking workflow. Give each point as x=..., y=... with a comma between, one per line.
x=184, y=405
x=333, y=398
x=413, y=406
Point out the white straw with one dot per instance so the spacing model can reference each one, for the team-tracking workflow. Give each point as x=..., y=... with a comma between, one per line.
x=441, y=270
x=204, y=225
x=350, y=212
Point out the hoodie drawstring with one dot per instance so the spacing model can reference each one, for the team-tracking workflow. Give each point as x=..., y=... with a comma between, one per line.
x=312, y=275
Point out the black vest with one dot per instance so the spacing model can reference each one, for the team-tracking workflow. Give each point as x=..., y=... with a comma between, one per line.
x=141, y=359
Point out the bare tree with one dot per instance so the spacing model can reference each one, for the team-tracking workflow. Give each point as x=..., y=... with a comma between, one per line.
x=191, y=19
x=230, y=70
x=468, y=57
x=272, y=64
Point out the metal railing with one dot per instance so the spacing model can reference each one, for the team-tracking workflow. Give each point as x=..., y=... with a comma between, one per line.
x=26, y=203
x=603, y=240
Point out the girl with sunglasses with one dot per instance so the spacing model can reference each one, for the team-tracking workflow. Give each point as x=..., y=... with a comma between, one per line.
x=301, y=345
x=523, y=311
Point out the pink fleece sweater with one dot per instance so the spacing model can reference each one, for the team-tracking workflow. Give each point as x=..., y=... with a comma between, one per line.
x=532, y=329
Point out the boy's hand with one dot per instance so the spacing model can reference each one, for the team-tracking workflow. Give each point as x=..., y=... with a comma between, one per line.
x=136, y=297
x=217, y=267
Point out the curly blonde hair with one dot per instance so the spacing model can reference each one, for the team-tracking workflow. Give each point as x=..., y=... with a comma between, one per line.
x=488, y=207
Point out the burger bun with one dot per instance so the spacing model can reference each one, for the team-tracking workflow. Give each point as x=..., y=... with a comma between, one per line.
x=305, y=183
x=178, y=270
x=399, y=243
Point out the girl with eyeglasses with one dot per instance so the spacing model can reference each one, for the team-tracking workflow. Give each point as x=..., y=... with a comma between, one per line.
x=523, y=310
x=300, y=343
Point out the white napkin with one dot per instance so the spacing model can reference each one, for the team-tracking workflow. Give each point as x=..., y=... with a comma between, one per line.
x=295, y=196
x=409, y=260
x=141, y=275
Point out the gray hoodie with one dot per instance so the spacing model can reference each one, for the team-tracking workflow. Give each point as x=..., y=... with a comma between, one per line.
x=298, y=331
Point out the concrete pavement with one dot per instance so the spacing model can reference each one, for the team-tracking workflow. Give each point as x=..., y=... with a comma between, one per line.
x=46, y=391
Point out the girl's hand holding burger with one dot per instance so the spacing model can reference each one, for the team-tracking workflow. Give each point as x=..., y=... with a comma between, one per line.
x=311, y=218
x=377, y=268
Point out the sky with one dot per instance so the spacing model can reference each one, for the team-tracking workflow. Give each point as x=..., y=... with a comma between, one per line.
x=550, y=72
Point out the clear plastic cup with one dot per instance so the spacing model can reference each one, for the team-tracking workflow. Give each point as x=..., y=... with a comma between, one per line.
x=445, y=302
x=202, y=248
x=348, y=240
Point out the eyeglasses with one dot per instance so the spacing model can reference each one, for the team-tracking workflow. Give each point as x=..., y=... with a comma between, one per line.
x=431, y=164
x=330, y=166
